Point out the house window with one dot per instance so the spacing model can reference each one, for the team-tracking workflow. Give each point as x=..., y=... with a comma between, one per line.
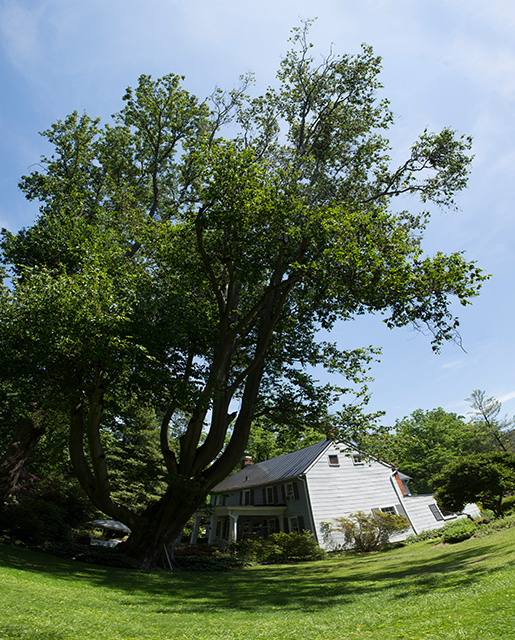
x=333, y=461
x=271, y=526
x=294, y=525
x=436, y=512
x=290, y=492
x=220, y=500
x=246, y=497
x=357, y=460
x=270, y=495
x=391, y=510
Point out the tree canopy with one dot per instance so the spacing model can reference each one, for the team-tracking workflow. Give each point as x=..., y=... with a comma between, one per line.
x=422, y=444
x=192, y=271
x=485, y=478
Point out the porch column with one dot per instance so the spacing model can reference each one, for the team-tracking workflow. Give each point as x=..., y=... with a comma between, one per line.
x=194, y=533
x=212, y=529
x=233, y=528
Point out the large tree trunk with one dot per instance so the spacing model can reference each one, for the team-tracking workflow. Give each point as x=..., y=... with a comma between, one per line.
x=26, y=436
x=153, y=538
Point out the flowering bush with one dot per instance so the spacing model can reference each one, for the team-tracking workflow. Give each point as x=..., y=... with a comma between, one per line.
x=369, y=531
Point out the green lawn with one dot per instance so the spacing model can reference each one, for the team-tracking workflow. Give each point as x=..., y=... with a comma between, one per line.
x=418, y=592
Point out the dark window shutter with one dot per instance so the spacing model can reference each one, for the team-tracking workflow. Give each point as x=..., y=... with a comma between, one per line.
x=286, y=527
x=296, y=491
x=264, y=495
x=275, y=495
x=436, y=512
x=251, y=496
x=241, y=497
x=301, y=523
x=283, y=489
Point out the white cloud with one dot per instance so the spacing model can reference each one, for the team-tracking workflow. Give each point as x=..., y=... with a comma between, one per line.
x=454, y=364
x=507, y=396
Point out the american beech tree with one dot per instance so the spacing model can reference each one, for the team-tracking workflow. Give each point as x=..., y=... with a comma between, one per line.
x=192, y=269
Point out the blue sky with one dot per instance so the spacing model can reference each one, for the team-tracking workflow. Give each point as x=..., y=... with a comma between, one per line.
x=446, y=63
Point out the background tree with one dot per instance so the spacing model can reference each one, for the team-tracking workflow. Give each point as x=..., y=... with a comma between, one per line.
x=191, y=271
x=485, y=416
x=423, y=443
x=484, y=478
x=136, y=468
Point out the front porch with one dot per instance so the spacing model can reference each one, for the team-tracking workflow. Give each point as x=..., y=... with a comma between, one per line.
x=231, y=524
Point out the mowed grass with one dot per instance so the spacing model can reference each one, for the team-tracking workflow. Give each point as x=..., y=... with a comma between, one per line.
x=417, y=592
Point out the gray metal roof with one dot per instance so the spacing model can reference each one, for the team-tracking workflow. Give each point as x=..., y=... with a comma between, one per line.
x=282, y=468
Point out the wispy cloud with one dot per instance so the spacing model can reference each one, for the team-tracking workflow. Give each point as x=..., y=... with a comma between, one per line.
x=20, y=32
x=507, y=396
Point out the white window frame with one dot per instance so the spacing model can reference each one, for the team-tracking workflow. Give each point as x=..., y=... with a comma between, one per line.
x=270, y=495
x=246, y=497
x=356, y=460
x=294, y=524
x=289, y=492
x=333, y=460
x=390, y=509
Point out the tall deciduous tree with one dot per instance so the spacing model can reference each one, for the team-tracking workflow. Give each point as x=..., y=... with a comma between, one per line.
x=423, y=443
x=195, y=270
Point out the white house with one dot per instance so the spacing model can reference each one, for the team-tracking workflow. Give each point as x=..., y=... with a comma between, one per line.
x=302, y=490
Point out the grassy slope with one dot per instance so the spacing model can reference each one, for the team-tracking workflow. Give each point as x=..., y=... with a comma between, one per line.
x=418, y=592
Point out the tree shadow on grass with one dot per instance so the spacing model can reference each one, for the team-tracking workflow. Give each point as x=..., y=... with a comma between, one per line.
x=14, y=632
x=306, y=587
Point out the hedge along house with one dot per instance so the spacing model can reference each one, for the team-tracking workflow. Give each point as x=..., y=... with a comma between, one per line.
x=300, y=491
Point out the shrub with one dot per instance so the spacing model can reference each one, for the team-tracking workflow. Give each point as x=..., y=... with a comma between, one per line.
x=35, y=523
x=459, y=531
x=496, y=525
x=369, y=531
x=508, y=505
x=278, y=548
x=423, y=536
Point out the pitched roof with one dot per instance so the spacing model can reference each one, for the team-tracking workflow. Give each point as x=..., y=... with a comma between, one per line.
x=282, y=468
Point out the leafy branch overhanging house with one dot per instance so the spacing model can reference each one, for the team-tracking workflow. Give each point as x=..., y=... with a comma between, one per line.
x=302, y=490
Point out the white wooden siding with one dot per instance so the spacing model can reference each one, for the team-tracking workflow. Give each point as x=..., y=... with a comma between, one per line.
x=340, y=491
x=423, y=519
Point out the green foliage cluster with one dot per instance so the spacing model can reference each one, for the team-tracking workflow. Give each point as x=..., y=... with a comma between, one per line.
x=482, y=528
x=422, y=444
x=278, y=548
x=485, y=478
x=35, y=523
x=369, y=531
x=45, y=513
x=508, y=505
x=460, y=530
x=137, y=471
